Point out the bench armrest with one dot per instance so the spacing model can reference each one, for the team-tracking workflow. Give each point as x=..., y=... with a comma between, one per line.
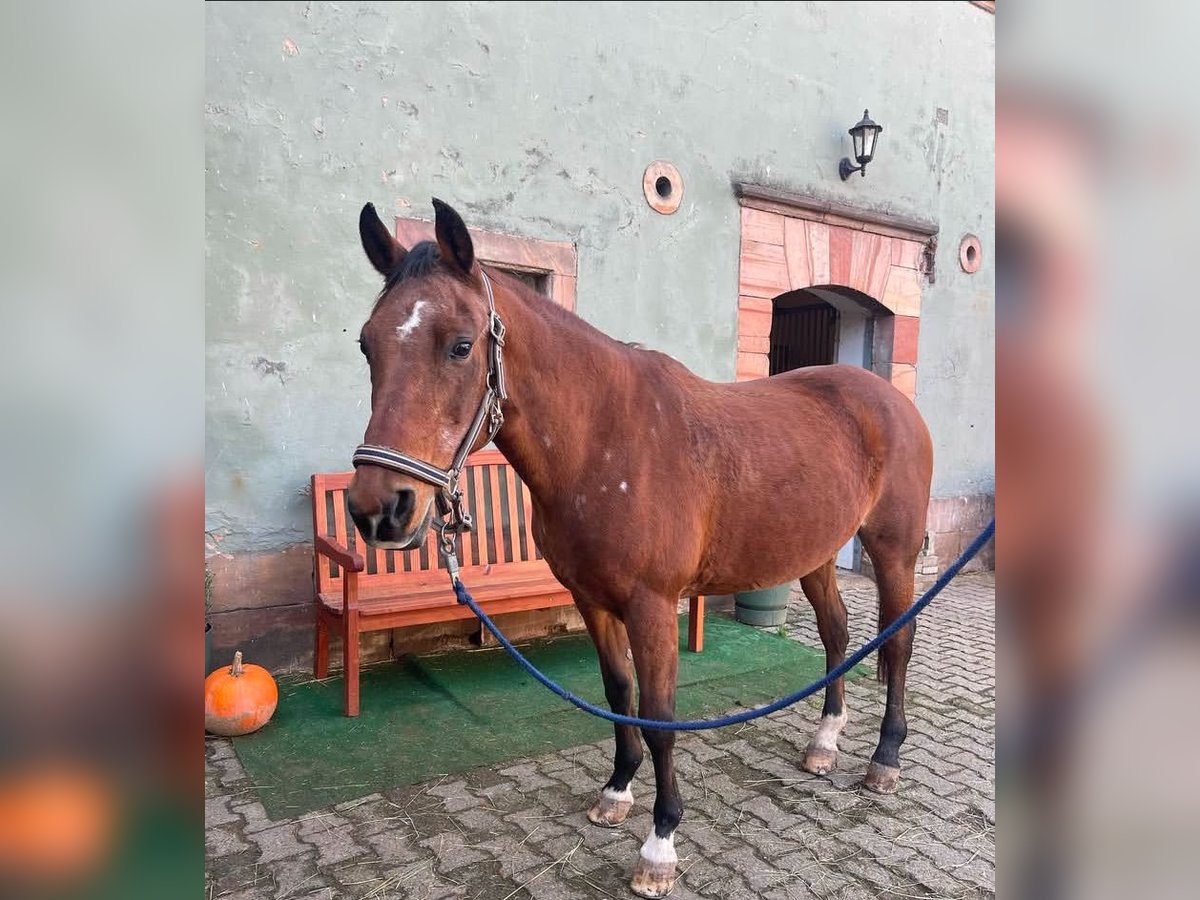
x=339, y=554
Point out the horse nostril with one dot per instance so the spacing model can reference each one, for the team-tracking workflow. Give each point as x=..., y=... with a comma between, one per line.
x=402, y=506
x=364, y=523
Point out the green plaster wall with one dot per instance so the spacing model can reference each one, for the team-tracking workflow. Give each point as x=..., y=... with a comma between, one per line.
x=538, y=120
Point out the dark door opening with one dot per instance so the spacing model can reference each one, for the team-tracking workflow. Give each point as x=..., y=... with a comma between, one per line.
x=804, y=332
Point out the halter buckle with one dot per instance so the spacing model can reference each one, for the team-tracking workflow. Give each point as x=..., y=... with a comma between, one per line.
x=497, y=329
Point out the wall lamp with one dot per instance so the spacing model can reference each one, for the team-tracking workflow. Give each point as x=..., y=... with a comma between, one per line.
x=865, y=135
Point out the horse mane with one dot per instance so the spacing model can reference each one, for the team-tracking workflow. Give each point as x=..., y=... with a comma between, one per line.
x=418, y=261
x=559, y=315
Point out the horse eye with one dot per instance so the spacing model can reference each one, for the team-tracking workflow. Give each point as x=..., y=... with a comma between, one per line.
x=461, y=350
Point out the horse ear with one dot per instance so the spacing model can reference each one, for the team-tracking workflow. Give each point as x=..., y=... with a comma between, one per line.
x=454, y=241
x=383, y=250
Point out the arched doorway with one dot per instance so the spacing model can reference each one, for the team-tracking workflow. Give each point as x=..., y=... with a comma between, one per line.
x=822, y=325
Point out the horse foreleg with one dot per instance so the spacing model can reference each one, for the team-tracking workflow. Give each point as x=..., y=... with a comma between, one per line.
x=654, y=635
x=820, y=587
x=612, y=645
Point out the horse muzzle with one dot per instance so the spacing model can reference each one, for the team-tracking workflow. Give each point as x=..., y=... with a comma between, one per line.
x=391, y=528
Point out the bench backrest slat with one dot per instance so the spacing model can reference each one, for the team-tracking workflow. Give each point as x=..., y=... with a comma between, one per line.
x=499, y=504
x=514, y=507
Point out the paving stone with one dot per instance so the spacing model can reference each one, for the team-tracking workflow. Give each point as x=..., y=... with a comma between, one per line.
x=222, y=841
x=452, y=851
x=254, y=815
x=278, y=843
x=480, y=820
x=455, y=796
x=217, y=812
x=228, y=772
x=391, y=847
x=314, y=823
x=293, y=875
x=335, y=845
x=526, y=777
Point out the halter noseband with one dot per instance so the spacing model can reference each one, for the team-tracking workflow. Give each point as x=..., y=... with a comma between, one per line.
x=451, y=509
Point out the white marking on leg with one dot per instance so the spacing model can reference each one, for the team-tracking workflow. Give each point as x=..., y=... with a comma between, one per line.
x=617, y=796
x=405, y=328
x=659, y=851
x=826, y=737
x=624, y=487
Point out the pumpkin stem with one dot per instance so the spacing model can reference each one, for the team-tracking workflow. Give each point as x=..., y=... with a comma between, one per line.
x=236, y=669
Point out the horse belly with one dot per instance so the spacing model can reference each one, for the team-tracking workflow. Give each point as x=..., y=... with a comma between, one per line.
x=781, y=530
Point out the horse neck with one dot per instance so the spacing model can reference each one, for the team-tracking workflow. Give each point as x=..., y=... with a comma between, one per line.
x=557, y=370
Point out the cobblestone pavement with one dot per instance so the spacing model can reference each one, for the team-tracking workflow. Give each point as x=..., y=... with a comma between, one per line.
x=755, y=824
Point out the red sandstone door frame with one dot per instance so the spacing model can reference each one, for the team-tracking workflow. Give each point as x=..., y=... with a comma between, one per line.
x=790, y=242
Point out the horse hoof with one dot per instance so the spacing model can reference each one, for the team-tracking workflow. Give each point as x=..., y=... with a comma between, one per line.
x=611, y=808
x=819, y=760
x=882, y=779
x=652, y=879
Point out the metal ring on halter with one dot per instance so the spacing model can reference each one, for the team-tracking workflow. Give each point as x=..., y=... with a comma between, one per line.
x=447, y=535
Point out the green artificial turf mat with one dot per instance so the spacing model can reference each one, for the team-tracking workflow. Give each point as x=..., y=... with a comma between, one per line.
x=432, y=715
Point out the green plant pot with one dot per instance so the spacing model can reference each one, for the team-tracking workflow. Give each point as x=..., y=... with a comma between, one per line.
x=765, y=608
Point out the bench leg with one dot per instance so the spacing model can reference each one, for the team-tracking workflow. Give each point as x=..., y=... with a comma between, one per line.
x=696, y=624
x=350, y=665
x=321, y=650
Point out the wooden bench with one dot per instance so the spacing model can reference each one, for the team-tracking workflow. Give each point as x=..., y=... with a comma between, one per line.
x=359, y=589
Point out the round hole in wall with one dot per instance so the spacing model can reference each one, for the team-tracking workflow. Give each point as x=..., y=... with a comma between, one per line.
x=970, y=254
x=663, y=186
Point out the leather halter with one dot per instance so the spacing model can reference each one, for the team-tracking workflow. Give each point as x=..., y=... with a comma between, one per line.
x=451, y=509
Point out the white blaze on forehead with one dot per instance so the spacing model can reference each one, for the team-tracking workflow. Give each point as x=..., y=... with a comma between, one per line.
x=659, y=850
x=405, y=328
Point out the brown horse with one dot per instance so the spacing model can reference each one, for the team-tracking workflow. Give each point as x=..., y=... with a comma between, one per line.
x=648, y=484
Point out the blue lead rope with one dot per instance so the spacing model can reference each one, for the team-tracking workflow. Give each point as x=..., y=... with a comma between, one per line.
x=746, y=715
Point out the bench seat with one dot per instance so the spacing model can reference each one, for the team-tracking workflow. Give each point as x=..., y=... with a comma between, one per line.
x=420, y=604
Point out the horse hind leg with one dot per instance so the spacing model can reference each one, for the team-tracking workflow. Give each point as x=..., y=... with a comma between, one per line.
x=820, y=587
x=894, y=560
x=612, y=645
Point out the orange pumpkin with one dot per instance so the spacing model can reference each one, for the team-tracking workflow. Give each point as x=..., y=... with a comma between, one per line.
x=239, y=699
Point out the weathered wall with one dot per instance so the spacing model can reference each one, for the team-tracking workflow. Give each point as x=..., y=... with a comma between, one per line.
x=538, y=119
